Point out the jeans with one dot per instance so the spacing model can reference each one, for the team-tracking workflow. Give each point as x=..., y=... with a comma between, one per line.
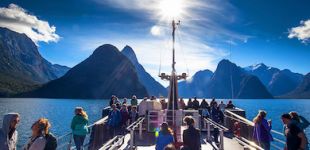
x=79, y=141
x=216, y=135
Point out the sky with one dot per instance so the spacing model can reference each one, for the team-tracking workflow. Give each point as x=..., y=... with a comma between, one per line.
x=247, y=32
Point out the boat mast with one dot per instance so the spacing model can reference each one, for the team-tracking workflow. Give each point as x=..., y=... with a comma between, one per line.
x=173, y=78
x=173, y=42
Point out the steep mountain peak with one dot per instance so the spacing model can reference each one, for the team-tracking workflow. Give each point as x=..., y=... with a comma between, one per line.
x=259, y=66
x=203, y=73
x=130, y=53
x=153, y=87
x=225, y=65
x=105, y=48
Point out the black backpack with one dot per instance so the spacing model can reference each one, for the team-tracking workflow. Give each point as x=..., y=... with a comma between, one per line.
x=51, y=142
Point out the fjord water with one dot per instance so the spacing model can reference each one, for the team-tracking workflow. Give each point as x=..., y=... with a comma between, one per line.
x=60, y=111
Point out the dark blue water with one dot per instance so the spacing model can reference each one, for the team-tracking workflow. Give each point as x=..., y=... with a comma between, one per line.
x=60, y=111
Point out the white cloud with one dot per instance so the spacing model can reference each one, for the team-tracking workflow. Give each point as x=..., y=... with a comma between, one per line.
x=19, y=20
x=301, y=32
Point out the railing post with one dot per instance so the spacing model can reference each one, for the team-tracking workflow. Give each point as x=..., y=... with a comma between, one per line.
x=209, y=131
x=221, y=139
x=140, y=130
x=131, y=139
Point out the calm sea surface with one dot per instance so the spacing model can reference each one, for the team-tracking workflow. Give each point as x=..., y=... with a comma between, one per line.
x=60, y=111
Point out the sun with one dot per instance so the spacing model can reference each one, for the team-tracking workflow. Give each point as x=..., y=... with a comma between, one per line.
x=171, y=9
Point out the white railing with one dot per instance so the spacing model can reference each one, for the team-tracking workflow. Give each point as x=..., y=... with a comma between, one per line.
x=131, y=128
x=114, y=143
x=218, y=126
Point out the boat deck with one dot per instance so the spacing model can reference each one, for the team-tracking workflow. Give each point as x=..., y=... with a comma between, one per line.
x=148, y=141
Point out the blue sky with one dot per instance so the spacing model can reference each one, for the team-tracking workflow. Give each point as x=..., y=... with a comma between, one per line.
x=247, y=32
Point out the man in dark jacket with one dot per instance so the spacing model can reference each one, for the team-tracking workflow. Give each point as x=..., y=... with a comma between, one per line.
x=195, y=103
x=191, y=135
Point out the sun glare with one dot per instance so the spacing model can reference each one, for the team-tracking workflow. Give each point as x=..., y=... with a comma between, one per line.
x=170, y=9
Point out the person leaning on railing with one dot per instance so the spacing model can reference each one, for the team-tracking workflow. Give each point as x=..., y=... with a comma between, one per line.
x=79, y=127
x=261, y=130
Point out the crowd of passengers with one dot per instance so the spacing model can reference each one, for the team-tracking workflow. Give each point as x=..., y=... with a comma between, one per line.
x=122, y=114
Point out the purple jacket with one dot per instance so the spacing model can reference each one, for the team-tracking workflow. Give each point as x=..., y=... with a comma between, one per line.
x=261, y=132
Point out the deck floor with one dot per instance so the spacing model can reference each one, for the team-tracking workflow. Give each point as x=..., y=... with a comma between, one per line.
x=147, y=142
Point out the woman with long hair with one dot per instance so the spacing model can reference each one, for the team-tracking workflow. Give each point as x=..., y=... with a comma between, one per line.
x=165, y=137
x=37, y=140
x=79, y=127
x=261, y=133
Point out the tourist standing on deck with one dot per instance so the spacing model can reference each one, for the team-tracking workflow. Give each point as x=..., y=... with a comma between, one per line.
x=124, y=101
x=230, y=105
x=295, y=138
x=143, y=107
x=195, y=103
x=153, y=104
x=301, y=122
x=134, y=101
x=205, y=109
x=112, y=100
x=165, y=137
x=191, y=135
x=8, y=132
x=212, y=102
x=261, y=132
x=204, y=104
x=114, y=120
x=40, y=138
x=79, y=127
x=181, y=104
x=133, y=114
x=163, y=103
x=189, y=104
x=222, y=106
x=124, y=115
x=216, y=117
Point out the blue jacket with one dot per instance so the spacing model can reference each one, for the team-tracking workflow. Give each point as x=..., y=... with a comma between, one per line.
x=163, y=140
x=114, y=118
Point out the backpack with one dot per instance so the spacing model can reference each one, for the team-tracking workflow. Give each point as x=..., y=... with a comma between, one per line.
x=51, y=142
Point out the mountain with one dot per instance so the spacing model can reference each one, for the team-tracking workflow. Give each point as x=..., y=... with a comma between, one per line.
x=196, y=85
x=231, y=79
x=153, y=87
x=106, y=72
x=21, y=65
x=302, y=91
x=59, y=70
x=278, y=82
x=228, y=80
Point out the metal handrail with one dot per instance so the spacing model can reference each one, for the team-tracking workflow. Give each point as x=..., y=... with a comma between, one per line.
x=248, y=144
x=113, y=143
x=132, y=127
x=136, y=123
x=217, y=125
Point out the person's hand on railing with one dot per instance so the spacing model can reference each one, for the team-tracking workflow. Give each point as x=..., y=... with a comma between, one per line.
x=269, y=122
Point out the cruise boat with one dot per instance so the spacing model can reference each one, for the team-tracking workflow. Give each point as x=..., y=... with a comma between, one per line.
x=235, y=131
